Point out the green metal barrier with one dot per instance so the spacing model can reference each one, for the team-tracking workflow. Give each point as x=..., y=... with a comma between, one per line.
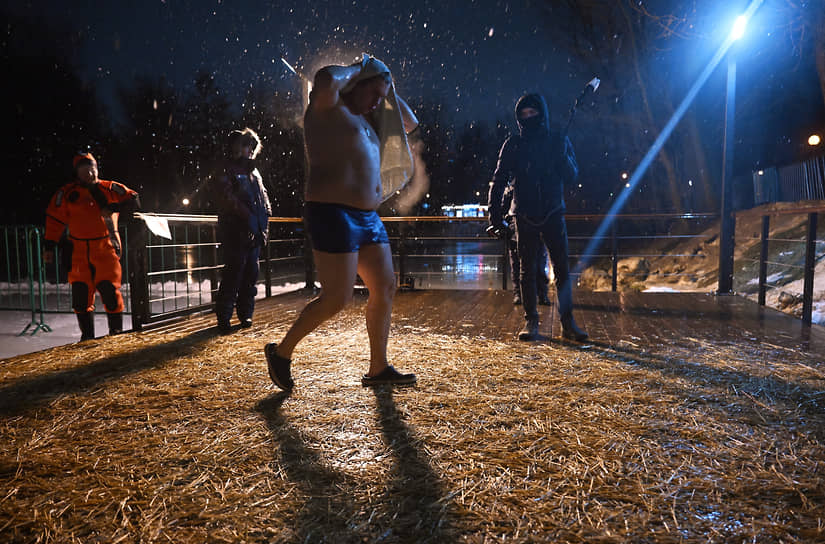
x=35, y=267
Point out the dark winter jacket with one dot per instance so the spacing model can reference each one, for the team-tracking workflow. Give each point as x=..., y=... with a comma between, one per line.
x=243, y=204
x=538, y=162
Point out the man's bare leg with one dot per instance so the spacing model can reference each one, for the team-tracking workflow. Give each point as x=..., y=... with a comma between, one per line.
x=336, y=273
x=375, y=268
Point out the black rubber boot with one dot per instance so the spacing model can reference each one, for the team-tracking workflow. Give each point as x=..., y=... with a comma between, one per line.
x=530, y=330
x=86, y=321
x=115, y=323
x=544, y=300
x=570, y=330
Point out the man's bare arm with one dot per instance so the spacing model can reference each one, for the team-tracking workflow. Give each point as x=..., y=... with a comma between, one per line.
x=407, y=115
x=329, y=81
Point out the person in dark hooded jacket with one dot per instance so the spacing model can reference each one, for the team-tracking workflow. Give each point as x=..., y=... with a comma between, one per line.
x=243, y=227
x=537, y=162
x=515, y=262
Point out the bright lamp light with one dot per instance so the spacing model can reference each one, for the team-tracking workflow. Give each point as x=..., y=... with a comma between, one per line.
x=814, y=139
x=739, y=27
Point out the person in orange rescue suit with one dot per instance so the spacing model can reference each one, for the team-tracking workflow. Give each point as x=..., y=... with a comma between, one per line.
x=87, y=209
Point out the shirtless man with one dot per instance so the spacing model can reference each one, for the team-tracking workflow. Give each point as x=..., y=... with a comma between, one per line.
x=342, y=192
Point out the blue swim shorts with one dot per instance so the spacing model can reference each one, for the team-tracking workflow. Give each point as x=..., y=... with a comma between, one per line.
x=335, y=228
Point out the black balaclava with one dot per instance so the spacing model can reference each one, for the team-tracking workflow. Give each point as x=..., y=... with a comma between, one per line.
x=538, y=125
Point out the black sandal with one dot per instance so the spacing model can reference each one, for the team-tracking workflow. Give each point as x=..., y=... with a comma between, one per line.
x=279, y=371
x=388, y=376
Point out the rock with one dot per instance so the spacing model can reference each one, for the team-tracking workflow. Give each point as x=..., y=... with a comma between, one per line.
x=595, y=279
x=633, y=270
x=787, y=299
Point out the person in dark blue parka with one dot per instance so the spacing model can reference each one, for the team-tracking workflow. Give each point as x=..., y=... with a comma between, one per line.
x=243, y=227
x=537, y=162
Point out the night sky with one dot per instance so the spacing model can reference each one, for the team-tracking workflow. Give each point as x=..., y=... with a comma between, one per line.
x=474, y=59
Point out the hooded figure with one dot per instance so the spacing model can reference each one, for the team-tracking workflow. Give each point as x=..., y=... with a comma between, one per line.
x=537, y=162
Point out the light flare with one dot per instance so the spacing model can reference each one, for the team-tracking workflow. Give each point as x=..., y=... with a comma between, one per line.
x=657, y=145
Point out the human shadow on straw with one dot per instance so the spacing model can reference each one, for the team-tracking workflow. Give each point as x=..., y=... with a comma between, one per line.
x=28, y=392
x=419, y=513
x=328, y=511
x=774, y=390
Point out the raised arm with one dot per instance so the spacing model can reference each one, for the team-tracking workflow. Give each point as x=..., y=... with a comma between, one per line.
x=328, y=84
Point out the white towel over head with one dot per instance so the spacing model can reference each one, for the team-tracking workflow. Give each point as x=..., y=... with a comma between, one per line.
x=396, y=159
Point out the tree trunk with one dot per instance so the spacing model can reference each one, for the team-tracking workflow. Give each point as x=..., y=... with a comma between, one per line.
x=663, y=155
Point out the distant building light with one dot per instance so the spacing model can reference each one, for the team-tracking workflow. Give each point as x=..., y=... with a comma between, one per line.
x=464, y=210
x=624, y=175
x=185, y=201
x=690, y=183
x=627, y=185
x=761, y=173
x=814, y=139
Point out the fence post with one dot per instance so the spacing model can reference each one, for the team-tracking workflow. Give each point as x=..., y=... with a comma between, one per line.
x=810, y=263
x=402, y=259
x=614, y=255
x=505, y=241
x=213, y=268
x=267, y=270
x=763, y=258
x=138, y=263
x=309, y=266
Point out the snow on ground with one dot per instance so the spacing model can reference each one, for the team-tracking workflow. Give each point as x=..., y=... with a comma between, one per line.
x=64, y=329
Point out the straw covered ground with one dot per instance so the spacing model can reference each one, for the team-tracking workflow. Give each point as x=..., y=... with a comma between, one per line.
x=180, y=437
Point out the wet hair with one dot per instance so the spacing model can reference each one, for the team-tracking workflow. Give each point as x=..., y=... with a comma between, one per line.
x=238, y=139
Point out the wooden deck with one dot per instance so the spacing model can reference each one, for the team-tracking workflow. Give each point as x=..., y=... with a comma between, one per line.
x=685, y=418
x=648, y=321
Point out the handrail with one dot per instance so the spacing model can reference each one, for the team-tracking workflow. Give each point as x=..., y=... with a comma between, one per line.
x=811, y=209
x=189, y=263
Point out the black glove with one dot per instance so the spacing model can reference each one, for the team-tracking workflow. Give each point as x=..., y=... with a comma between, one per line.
x=497, y=230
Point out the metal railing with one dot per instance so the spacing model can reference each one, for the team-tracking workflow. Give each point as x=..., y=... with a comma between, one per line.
x=170, y=278
x=641, y=238
x=796, y=247
x=178, y=276
x=454, y=252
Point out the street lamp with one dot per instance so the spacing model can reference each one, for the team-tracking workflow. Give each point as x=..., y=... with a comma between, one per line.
x=739, y=27
x=725, y=285
x=814, y=140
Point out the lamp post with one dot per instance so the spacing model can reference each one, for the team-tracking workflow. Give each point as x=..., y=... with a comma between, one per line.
x=725, y=284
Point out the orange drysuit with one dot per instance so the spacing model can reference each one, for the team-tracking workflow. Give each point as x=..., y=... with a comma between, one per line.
x=96, y=246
